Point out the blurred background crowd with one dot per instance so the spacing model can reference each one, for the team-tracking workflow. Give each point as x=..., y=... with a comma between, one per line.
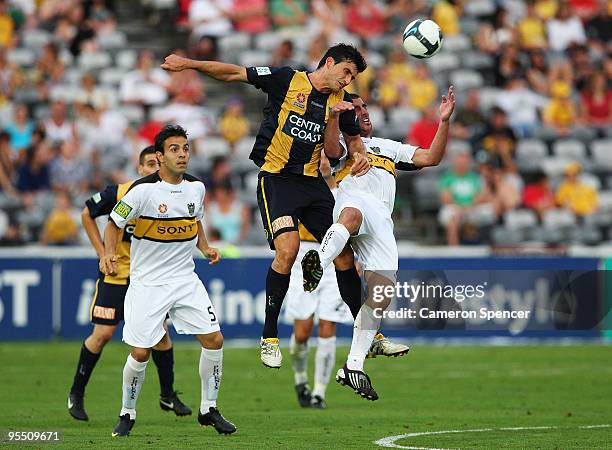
x=529, y=160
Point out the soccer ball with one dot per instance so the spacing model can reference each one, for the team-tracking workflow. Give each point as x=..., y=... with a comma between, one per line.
x=423, y=38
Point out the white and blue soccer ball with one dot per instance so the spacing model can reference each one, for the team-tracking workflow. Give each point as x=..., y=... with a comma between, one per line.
x=423, y=38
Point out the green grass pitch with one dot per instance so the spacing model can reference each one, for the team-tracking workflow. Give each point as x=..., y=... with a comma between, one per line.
x=563, y=389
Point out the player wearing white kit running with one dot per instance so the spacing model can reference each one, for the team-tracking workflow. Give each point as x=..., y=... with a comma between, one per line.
x=363, y=214
x=168, y=208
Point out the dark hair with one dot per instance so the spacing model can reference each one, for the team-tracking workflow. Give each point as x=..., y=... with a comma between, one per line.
x=150, y=150
x=344, y=52
x=167, y=132
x=354, y=96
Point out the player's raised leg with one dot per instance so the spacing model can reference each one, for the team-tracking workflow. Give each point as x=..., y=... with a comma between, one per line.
x=163, y=357
x=133, y=378
x=298, y=349
x=88, y=358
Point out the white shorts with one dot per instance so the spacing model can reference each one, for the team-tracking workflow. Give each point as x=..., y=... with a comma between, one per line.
x=375, y=243
x=324, y=302
x=146, y=306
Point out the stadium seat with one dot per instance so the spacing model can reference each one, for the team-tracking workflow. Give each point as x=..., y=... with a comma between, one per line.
x=605, y=201
x=110, y=94
x=233, y=42
x=112, y=76
x=94, y=61
x=126, y=59
x=507, y=236
x=36, y=38
x=456, y=146
x=479, y=8
x=558, y=218
x=600, y=218
x=476, y=60
x=215, y=146
x=444, y=61
x=586, y=235
x=267, y=41
x=23, y=56
x=569, y=149
x=469, y=25
x=244, y=147
x=530, y=153
x=488, y=98
x=427, y=192
x=116, y=39
x=464, y=79
x=555, y=166
x=64, y=92
x=377, y=116
x=601, y=150
x=66, y=57
x=400, y=120
x=591, y=180
x=249, y=58
x=457, y=43
x=133, y=113
x=520, y=219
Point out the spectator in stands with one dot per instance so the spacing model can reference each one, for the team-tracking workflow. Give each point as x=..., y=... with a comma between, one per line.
x=146, y=84
x=508, y=65
x=537, y=72
x=599, y=28
x=186, y=86
x=33, y=174
x=11, y=236
x=328, y=18
x=289, y=15
x=234, y=125
x=498, y=188
x=462, y=199
x=564, y=29
x=83, y=40
x=538, y=195
x=101, y=17
x=423, y=130
x=7, y=25
x=469, y=121
x=9, y=79
x=61, y=226
x=58, y=127
x=210, y=18
x=316, y=48
x=579, y=65
x=365, y=18
x=531, y=29
x=522, y=107
x=561, y=114
x=422, y=89
x=546, y=9
x=596, y=102
x=401, y=12
x=446, y=13
x=284, y=55
x=227, y=214
x=68, y=171
x=576, y=195
x=498, y=136
x=90, y=93
x=21, y=129
x=495, y=35
x=6, y=164
x=206, y=48
x=49, y=64
x=250, y=16
x=220, y=173
x=585, y=9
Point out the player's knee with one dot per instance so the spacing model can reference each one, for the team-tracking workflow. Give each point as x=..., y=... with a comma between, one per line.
x=326, y=329
x=301, y=335
x=212, y=341
x=102, y=335
x=285, y=256
x=351, y=218
x=141, y=354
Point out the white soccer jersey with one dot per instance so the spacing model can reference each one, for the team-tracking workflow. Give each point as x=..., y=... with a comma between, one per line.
x=166, y=230
x=385, y=156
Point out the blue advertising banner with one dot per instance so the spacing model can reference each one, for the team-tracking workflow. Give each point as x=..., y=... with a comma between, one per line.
x=26, y=299
x=78, y=284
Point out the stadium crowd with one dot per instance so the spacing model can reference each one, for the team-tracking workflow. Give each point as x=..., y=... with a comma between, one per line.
x=530, y=159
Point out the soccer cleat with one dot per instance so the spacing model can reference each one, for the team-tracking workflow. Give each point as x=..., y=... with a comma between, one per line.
x=357, y=381
x=76, y=407
x=383, y=346
x=270, y=353
x=318, y=402
x=174, y=403
x=311, y=270
x=124, y=426
x=213, y=417
x=303, y=394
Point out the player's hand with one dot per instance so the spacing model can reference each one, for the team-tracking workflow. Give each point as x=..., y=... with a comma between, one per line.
x=360, y=166
x=448, y=105
x=108, y=264
x=339, y=108
x=175, y=63
x=213, y=255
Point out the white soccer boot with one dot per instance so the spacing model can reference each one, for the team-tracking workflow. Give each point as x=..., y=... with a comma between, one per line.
x=270, y=353
x=383, y=346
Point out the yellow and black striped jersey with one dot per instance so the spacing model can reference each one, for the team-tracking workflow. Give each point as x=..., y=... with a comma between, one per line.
x=290, y=138
x=166, y=230
x=101, y=204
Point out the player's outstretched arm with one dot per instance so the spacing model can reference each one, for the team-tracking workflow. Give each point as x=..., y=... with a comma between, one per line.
x=108, y=263
x=93, y=234
x=331, y=135
x=212, y=254
x=214, y=69
x=432, y=156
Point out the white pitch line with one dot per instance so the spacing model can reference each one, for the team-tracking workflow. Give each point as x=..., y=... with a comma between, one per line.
x=389, y=441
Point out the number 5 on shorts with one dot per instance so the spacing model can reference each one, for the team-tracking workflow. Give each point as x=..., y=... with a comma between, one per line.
x=212, y=314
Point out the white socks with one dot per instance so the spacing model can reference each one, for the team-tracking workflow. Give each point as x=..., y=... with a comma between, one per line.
x=325, y=359
x=364, y=330
x=299, y=360
x=211, y=368
x=133, y=378
x=333, y=243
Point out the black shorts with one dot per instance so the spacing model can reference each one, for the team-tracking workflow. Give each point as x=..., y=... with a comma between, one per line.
x=285, y=200
x=107, y=305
